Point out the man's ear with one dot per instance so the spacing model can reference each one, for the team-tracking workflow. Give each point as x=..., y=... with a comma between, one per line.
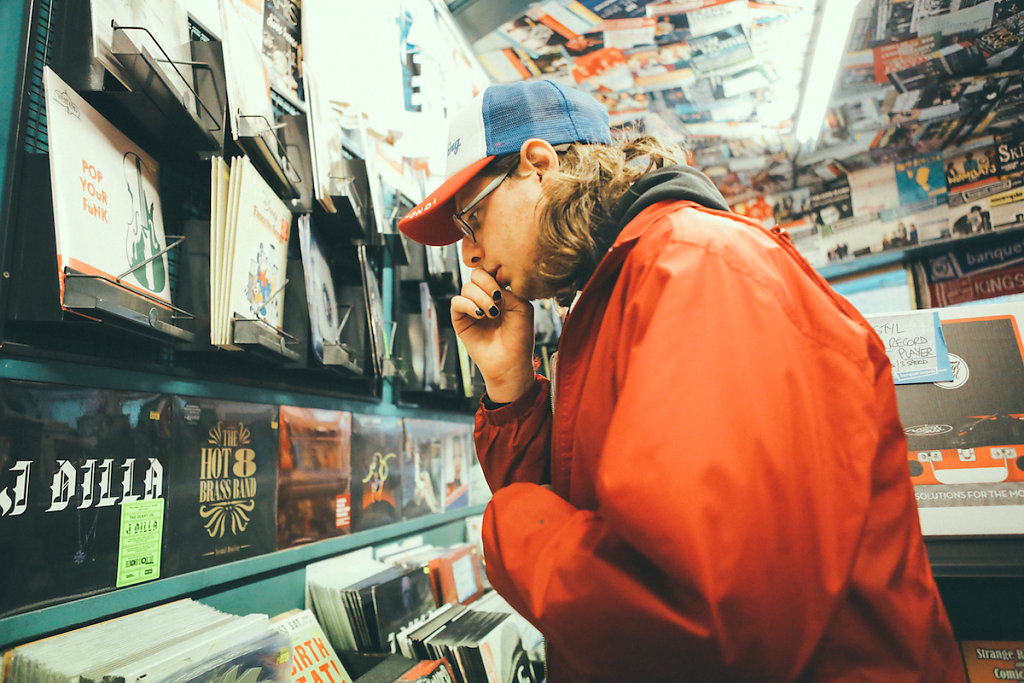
x=537, y=156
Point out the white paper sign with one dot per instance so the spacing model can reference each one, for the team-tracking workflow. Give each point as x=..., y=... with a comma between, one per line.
x=915, y=346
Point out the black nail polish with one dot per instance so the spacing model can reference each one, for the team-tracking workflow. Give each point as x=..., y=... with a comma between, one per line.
x=497, y=295
x=479, y=311
x=493, y=311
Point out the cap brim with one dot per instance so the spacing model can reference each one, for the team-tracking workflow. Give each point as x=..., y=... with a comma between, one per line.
x=431, y=222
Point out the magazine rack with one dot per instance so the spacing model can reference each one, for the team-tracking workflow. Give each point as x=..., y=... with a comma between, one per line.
x=259, y=138
x=154, y=101
x=261, y=337
x=338, y=354
x=350, y=193
x=388, y=365
x=110, y=300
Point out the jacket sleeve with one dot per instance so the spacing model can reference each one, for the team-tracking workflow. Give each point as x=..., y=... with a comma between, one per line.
x=513, y=441
x=732, y=483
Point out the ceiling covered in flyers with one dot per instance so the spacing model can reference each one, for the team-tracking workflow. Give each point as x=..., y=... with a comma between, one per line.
x=725, y=77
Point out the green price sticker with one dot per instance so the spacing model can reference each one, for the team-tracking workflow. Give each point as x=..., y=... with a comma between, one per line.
x=142, y=532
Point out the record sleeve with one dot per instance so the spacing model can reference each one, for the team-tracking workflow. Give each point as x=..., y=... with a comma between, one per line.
x=422, y=468
x=965, y=438
x=106, y=204
x=325, y=316
x=223, y=483
x=313, y=658
x=376, y=471
x=457, y=448
x=70, y=459
x=164, y=36
x=314, y=468
x=258, y=250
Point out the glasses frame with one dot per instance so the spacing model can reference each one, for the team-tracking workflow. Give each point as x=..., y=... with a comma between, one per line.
x=460, y=221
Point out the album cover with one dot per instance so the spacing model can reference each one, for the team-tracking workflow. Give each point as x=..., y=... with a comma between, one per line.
x=398, y=601
x=312, y=657
x=374, y=311
x=422, y=468
x=966, y=437
x=726, y=49
x=282, y=45
x=157, y=28
x=457, y=448
x=972, y=175
x=223, y=493
x=250, y=262
x=921, y=181
x=73, y=463
x=326, y=317
x=245, y=74
x=314, y=469
x=376, y=471
x=106, y=204
x=182, y=641
x=988, y=661
x=831, y=203
x=1010, y=157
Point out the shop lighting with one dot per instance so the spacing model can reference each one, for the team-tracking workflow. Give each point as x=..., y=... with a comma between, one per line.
x=833, y=26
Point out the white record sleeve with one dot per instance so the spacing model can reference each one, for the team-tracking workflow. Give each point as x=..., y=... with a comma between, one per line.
x=106, y=202
x=259, y=250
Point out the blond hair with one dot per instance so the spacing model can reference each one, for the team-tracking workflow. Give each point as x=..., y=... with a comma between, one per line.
x=577, y=203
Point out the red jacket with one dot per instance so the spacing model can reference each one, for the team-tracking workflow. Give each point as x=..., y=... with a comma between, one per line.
x=729, y=495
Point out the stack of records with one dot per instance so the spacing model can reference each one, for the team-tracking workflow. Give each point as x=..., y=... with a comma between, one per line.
x=399, y=669
x=106, y=207
x=249, y=231
x=479, y=645
x=179, y=642
x=364, y=602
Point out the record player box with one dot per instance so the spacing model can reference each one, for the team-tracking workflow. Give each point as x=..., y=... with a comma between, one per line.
x=970, y=430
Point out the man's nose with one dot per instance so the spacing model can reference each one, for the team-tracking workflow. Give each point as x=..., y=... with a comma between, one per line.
x=472, y=254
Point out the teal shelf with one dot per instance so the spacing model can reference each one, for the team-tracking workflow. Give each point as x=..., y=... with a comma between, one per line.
x=63, y=372
x=269, y=584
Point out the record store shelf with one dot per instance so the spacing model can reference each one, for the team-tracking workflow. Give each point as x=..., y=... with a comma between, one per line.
x=269, y=584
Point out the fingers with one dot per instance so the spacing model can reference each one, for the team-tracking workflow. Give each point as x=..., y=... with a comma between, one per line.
x=463, y=307
x=488, y=285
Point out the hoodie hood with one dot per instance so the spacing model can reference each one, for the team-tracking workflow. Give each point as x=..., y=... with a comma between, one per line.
x=672, y=183
x=679, y=183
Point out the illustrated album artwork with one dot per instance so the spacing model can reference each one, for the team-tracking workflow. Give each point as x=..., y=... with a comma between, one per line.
x=106, y=203
x=249, y=233
x=376, y=471
x=966, y=437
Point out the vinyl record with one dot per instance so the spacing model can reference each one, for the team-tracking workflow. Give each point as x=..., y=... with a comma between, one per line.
x=324, y=302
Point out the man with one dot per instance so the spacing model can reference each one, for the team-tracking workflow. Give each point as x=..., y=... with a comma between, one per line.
x=721, y=492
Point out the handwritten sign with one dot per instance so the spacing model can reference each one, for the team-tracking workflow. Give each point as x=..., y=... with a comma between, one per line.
x=915, y=346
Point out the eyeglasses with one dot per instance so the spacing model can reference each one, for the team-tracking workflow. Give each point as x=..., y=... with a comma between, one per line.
x=459, y=216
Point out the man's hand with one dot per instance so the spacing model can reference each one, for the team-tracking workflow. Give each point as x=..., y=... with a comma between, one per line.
x=496, y=327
